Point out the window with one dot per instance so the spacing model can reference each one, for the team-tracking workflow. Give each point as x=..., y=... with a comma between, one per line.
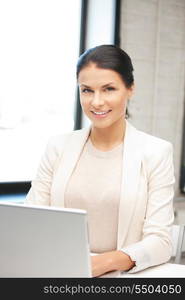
x=40, y=41
x=38, y=54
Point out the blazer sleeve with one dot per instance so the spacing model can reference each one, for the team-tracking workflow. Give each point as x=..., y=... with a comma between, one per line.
x=40, y=191
x=156, y=245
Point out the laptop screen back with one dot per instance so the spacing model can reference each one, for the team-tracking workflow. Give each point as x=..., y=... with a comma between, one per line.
x=39, y=241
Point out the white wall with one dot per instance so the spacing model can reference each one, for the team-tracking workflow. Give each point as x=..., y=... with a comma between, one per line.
x=153, y=34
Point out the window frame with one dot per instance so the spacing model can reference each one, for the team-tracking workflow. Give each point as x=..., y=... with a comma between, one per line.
x=182, y=163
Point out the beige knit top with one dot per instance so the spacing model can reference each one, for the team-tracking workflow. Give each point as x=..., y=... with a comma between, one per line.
x=95, y=186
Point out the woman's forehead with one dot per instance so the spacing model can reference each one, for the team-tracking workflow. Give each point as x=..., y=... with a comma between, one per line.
x=92, y=74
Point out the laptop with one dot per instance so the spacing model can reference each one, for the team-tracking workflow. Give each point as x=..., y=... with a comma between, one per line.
x=40, y=241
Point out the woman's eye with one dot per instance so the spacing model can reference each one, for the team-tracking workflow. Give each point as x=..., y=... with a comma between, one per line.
x=109, y=88
x=85, y=90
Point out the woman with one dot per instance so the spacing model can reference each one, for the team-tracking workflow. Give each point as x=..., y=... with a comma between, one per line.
x=123, y=177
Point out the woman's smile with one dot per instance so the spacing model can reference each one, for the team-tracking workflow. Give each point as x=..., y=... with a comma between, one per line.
x=101, y=114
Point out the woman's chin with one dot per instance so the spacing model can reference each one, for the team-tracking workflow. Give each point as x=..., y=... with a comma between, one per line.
x=102, y=125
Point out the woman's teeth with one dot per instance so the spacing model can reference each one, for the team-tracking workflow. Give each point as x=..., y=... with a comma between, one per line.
x=101, y=113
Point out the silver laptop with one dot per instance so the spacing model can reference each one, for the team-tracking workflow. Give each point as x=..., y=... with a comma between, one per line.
x=40, y=241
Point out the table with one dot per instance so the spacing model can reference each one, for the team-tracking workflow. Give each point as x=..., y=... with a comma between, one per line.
x=166, y=270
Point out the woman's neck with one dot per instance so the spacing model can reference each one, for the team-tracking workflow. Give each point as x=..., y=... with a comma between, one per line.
x=108, y=138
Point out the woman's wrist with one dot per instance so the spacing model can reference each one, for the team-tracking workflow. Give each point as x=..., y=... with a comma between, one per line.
x=118, y=260
x=110, y=261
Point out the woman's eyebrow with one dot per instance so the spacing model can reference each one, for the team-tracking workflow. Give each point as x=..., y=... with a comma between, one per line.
x=105, y=85
x=85, y=85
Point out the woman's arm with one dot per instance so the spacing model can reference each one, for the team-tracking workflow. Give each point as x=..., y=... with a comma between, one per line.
x=155, y=246
x=110, y=261
x=40, y=192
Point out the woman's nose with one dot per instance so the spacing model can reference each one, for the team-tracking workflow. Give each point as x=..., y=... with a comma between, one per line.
x=97, y=100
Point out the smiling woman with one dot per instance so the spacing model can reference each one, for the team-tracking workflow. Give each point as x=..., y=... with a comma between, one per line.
x=104, y=103
x=104, y=97
x=105, y=77
x=122, y=177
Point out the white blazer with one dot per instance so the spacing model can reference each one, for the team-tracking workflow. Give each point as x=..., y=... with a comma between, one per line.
x=146, y=203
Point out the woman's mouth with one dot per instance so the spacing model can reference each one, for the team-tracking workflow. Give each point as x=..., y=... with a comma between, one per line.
x=101, y=114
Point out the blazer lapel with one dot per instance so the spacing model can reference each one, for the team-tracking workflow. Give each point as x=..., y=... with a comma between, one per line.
x=71, y=153
x=131, y=165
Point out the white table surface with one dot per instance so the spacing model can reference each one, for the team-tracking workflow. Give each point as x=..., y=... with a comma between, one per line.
x=166, y=270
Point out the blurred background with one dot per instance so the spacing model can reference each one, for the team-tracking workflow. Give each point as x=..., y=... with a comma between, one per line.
x=40, y=42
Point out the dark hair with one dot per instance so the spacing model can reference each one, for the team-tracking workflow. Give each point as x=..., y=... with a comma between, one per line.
x=108, y=57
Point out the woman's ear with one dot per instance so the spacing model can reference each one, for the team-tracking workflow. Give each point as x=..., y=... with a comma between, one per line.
x=131, y=91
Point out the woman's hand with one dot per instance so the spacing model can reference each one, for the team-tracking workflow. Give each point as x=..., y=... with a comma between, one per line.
x=110, y=261
x=100, y=264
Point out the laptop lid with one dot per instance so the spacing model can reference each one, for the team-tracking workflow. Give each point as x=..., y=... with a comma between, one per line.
x=40, y=241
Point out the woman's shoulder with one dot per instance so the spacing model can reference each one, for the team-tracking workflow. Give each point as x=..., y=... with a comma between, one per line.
x=148, y=141
x=152, y=140
x=155, y=148
x=57, y=142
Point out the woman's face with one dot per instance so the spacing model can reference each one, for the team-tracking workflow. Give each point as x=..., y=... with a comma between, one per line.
x=103, y=95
